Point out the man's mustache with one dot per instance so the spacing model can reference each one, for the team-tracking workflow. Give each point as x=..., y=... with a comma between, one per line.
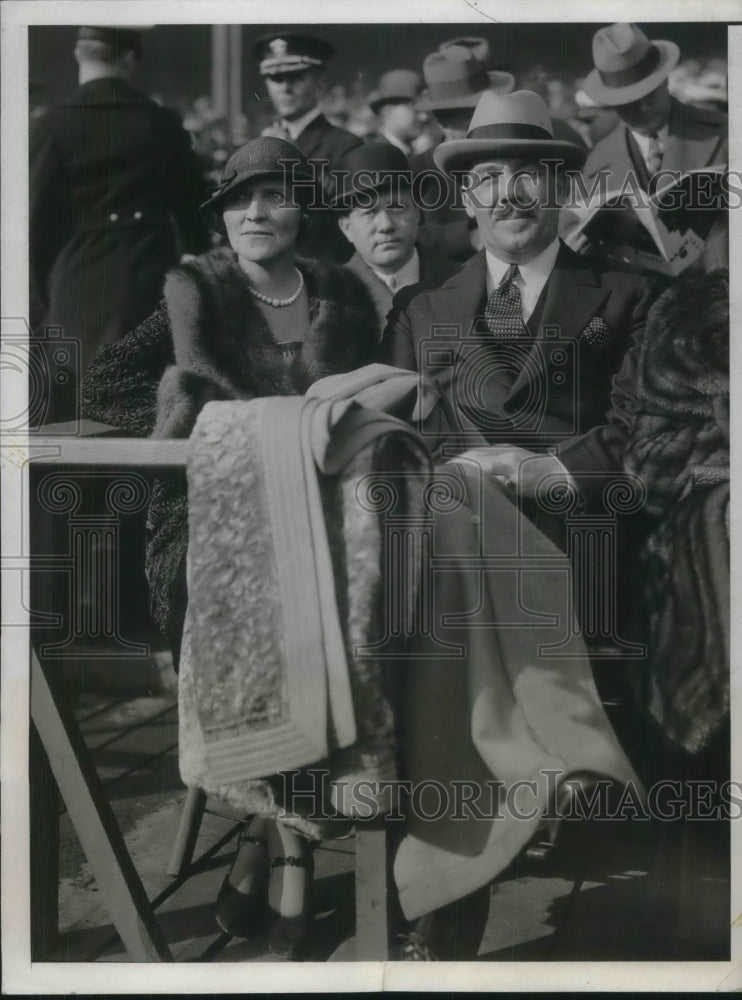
x=510, y=210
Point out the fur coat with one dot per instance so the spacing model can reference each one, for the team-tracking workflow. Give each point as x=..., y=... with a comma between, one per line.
x=679, y=447
x=209, y=340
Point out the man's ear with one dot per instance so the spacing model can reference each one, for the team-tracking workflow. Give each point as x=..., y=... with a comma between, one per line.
x=344, y=227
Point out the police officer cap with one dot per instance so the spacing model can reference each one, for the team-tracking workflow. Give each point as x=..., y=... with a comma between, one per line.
x=290, y=53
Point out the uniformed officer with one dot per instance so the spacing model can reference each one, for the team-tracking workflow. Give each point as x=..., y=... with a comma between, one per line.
x=114, y=195
x=293, y=67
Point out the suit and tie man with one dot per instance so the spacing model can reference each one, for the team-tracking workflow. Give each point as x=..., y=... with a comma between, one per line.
x=455, y=79
x=294, y=66
x=396, y=104
x=378, y=216
x=525, y=339
x=655, y=132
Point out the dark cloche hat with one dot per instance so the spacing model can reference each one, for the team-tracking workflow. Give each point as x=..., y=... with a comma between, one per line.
x=122, y=37
x=289, y=52
x=261, y=157
x=370, y=167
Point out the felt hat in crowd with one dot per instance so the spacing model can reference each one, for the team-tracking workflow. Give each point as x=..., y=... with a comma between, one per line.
x=396, y=86
x=290, y=52
x=479, y=47
x=628, y=66
x=455, y=78
x=508, y=125
x=261, y=157
x=367, y=168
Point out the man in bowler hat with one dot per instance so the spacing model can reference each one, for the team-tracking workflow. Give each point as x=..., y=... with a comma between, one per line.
x=378, y=216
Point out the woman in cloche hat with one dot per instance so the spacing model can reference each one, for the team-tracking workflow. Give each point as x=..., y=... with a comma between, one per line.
x=244, y=320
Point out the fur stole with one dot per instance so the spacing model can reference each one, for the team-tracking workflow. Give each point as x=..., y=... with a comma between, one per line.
x=224, y=348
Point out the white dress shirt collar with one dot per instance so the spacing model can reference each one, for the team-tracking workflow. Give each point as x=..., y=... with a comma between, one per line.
x=397, y=142
x=532, y=275
x=408, y=274
x=296, y=127
x=643, y=141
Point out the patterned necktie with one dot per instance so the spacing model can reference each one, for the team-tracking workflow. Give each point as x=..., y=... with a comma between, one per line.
x=655, y=149
x=504, y=310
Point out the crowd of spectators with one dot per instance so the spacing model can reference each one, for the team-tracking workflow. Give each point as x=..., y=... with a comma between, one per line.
x=694, y=81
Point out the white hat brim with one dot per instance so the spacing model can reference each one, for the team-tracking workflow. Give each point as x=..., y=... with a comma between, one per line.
x=615, y=96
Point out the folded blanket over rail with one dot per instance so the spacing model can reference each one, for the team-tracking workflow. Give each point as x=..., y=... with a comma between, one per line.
x=278, y=668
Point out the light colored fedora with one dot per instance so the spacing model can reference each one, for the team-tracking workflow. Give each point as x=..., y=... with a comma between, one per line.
x=628, y=66
x=455, y=78
x=508, y=125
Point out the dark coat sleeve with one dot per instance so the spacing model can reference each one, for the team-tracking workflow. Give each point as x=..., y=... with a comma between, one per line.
x=184, y=183
x=121, y=388
x=50, y=224
x=120, y=385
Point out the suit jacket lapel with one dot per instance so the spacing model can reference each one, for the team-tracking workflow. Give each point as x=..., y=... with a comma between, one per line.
x=573, y=296
x=310, y=139
x=378, y=290
x=458, y=301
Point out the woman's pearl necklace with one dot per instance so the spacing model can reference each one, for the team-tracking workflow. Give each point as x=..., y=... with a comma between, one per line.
x=278, y=303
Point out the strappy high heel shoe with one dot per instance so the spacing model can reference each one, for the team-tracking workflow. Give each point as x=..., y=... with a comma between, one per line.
x=289, y=933
x=242, y=903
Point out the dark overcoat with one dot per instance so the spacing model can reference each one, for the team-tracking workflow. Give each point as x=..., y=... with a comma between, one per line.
x=114, y=195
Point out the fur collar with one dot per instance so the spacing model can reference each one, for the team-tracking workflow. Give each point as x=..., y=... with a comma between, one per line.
x=221, y=334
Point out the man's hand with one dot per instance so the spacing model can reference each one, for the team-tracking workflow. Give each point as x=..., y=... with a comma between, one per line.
x=518, y=469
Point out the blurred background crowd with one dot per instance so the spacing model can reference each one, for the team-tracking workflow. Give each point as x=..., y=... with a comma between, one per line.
x=179, y=71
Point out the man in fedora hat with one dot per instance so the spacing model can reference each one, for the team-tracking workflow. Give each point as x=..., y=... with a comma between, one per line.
x=114, y=194
x=655, y=132
x=534, y=329
x=378, y=216
x=396, y=104
x=293, y=66
x=522, y=343
x=455, y=79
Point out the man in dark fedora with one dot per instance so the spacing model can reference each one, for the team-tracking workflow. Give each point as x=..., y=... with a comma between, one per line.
x=396, y=104
x=114, y=194
x=535, y=334
x=293, y=66
x=655, y=132
x=378, y=216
